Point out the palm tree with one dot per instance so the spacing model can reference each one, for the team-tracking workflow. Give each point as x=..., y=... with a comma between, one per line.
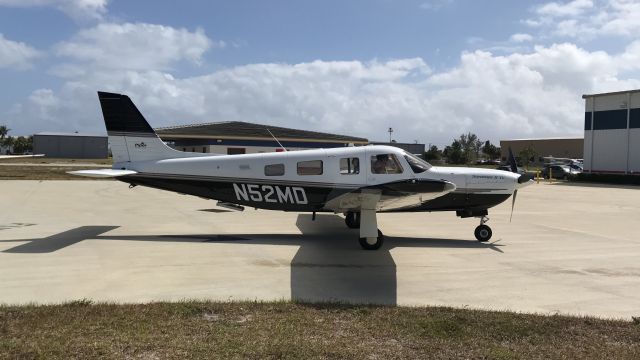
x=3, y=132
x=4, y=140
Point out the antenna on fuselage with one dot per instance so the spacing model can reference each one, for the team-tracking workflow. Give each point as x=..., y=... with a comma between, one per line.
x=274, y=138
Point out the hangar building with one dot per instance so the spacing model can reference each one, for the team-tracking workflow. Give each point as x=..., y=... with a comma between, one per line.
x=612, y=132
x=556, y=147
x=238, y=137
x=70, y=145
x=414, y=148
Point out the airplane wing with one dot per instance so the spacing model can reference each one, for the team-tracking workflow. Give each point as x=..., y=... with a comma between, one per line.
x=391, y=196
x=102, y=173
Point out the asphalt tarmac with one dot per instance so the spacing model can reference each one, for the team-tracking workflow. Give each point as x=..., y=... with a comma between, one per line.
x=570, y=249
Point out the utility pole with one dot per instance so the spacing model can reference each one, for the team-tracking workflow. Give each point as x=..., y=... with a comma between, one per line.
x=390, y=132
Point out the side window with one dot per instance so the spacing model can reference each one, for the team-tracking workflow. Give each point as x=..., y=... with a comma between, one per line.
x=313, y=167
x=385, y=164
x=274, y=170
x=349, y=166
x=416, y=164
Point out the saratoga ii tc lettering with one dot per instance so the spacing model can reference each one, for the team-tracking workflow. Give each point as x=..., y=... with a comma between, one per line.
x=270, y=194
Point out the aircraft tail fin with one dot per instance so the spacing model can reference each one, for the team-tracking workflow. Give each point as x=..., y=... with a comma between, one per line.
x=130, y=135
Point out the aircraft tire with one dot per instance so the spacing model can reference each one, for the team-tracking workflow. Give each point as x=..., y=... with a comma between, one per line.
x=352, y=219
x=483, y=233
x=367, y=245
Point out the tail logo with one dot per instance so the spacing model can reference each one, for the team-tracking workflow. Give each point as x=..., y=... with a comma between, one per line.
x=141, y=145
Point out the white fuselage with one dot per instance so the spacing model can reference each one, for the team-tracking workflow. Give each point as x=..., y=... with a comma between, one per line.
x=253, y=177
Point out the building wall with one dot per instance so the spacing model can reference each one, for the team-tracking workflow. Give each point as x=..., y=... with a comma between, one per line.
x=76, y=147
x=224, y=149
x=413, y=148
x=634, y=134
x=612, y=133
x=218, y=146
x=5, y=150
x=562, y=148
x=634, y=151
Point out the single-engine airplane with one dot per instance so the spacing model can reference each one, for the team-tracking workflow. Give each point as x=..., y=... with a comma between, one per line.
x=356, y=181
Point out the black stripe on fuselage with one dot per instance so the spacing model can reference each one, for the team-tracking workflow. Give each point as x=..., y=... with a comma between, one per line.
x=455, y=201
x=132, y=134
x=316, y=195
x=209, y=178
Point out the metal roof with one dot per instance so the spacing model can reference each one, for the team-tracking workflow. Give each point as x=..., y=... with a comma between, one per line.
x=241, y=129
x=611, y=93
x=54, y=133
x=548, y=138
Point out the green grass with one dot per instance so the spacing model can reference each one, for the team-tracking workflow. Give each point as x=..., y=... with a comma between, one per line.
x=287, y=330
x=40, y=168
x=45, y=160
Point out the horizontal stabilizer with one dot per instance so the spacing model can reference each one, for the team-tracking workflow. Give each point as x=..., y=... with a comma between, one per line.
x=102, y=173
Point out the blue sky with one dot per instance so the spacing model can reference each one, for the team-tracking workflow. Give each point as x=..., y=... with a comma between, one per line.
x=431, y=69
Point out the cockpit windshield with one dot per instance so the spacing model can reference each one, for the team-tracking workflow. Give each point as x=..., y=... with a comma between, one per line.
x=417, y=165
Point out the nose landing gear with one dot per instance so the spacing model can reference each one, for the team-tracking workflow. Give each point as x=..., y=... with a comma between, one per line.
x=483, y=232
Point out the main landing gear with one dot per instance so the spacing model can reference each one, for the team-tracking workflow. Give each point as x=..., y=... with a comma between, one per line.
x=352, y=219
x=483, y=232
x=370, y=237
x=372, y=243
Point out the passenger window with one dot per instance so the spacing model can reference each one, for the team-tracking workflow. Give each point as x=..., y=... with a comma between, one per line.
x=349, y=166
x=313, y=167
x=385, y=164
x=274, y=170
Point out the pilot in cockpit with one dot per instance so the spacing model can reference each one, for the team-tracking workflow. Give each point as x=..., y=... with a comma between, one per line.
x=380, y=164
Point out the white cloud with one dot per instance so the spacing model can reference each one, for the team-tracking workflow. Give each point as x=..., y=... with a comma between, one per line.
x=136, y=46
x=558, y=9
x=77, y=9
x=521, y=38
x=586, y=19
x=16, y=55
x=435, y=4
x=537, y=93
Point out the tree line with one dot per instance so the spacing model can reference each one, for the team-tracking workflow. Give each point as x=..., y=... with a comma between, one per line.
x=466, y=149
x=16, y=145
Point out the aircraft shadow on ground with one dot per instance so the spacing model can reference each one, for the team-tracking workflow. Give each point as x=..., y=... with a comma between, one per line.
x=594, y=185
x=329, y=265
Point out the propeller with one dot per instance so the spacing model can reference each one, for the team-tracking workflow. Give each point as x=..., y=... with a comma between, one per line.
x=512, y=162
x=513, y=203
x=523, y=178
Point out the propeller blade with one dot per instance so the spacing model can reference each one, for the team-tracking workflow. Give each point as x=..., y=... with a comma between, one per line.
x=512, y=162
x=513, y=203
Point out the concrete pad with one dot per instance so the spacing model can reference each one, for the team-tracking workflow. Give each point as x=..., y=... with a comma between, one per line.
x=570, y=249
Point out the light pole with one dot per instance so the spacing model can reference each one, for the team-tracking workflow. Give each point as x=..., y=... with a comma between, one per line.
x=390, y=132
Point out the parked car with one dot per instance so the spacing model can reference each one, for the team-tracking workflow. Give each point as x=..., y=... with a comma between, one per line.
x=577, y=167
x=558, y=171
